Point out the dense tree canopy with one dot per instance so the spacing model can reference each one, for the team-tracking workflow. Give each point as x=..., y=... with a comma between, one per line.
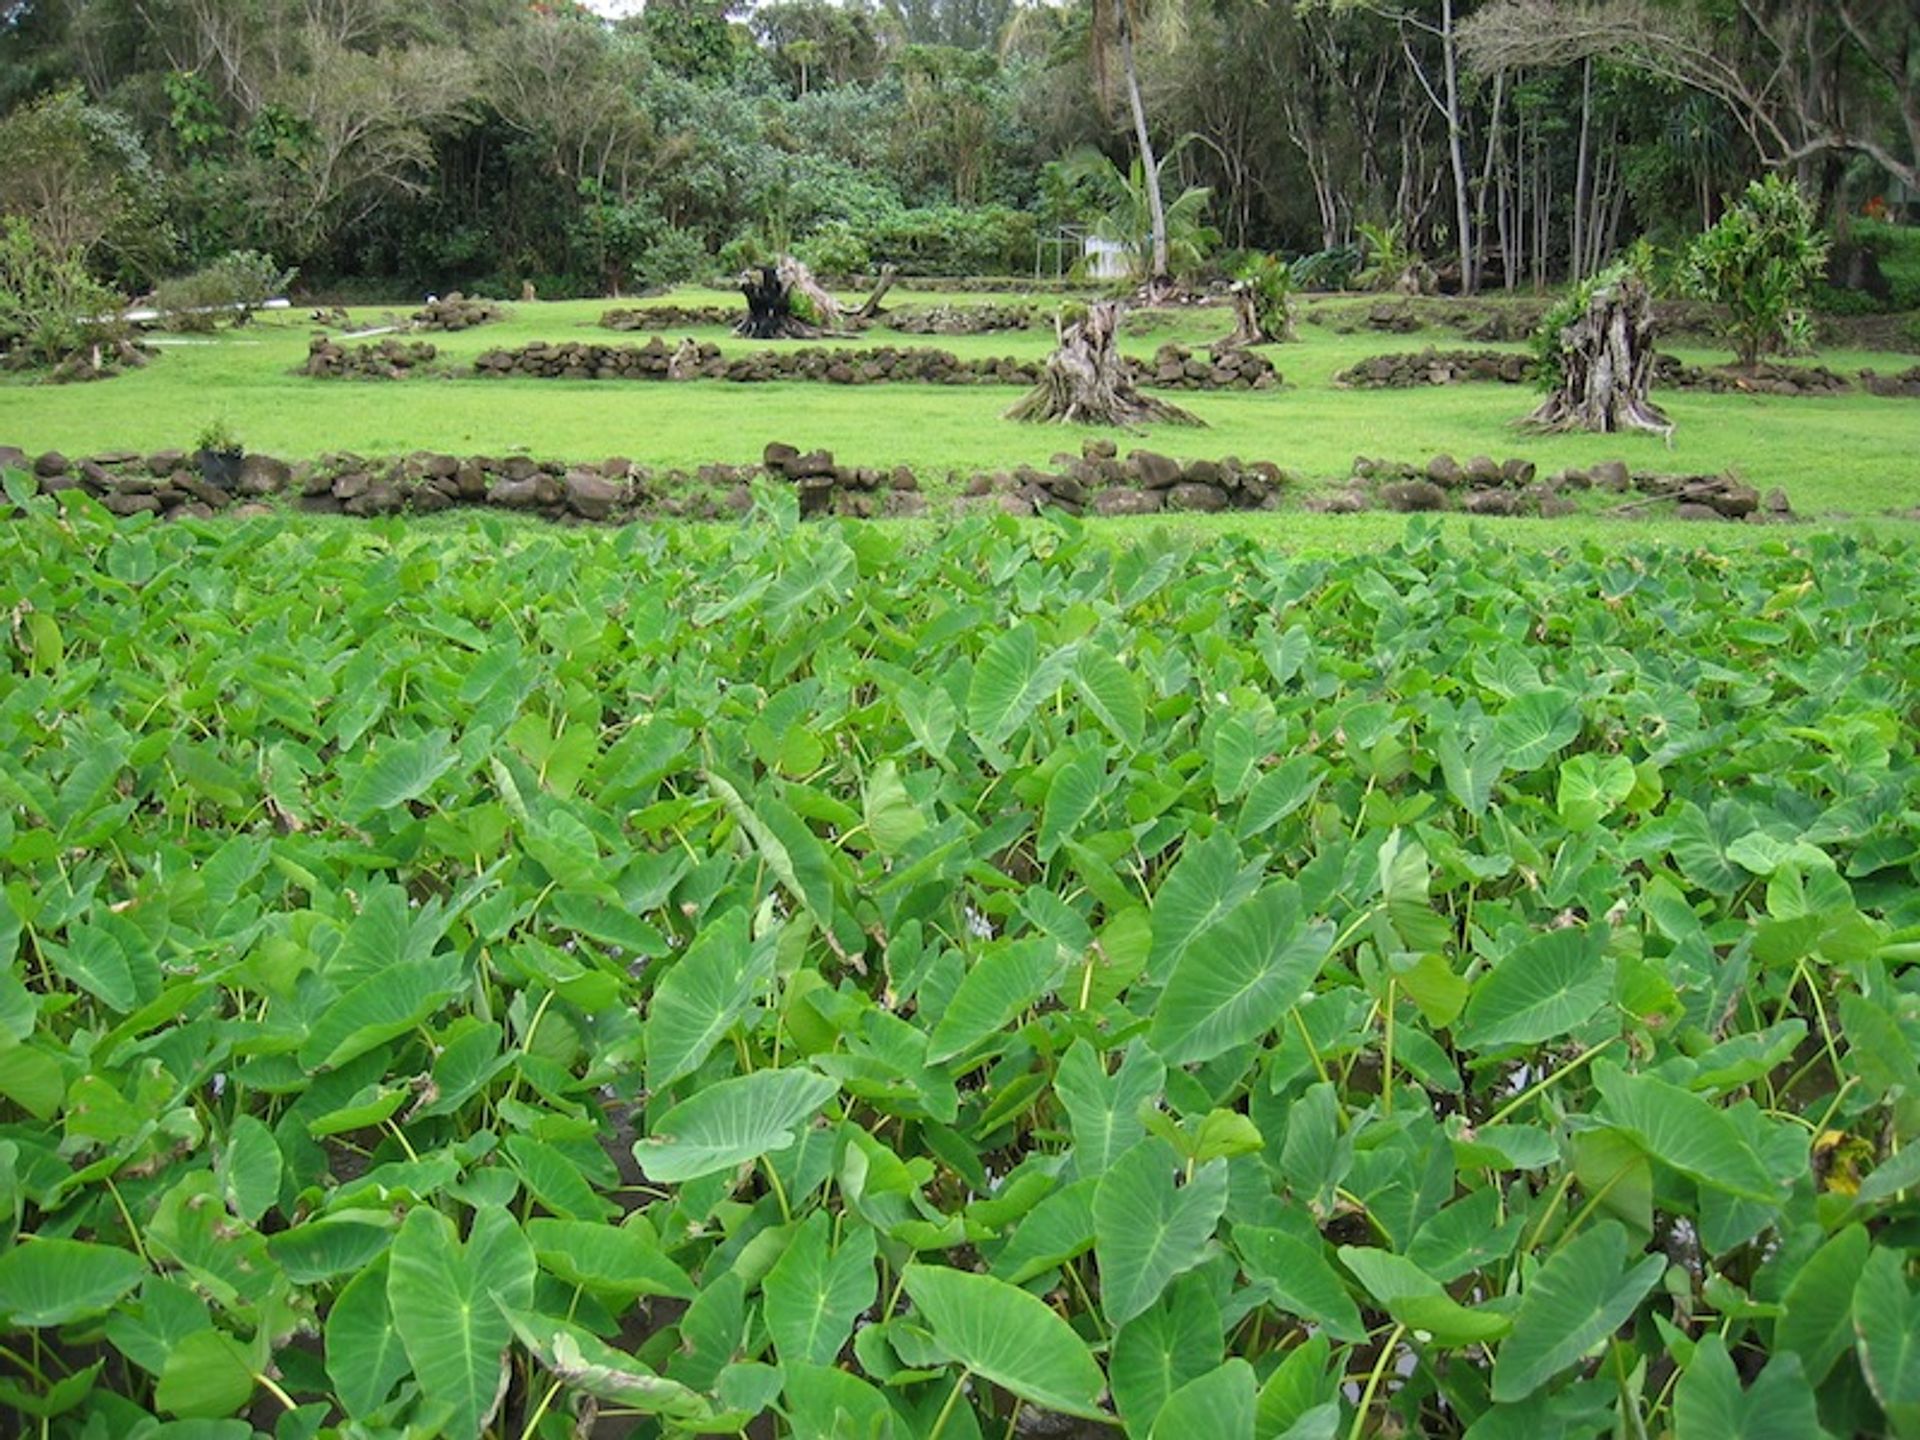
x=484, y=142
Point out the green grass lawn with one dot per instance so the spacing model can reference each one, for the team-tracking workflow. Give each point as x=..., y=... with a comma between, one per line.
x=1840, y=457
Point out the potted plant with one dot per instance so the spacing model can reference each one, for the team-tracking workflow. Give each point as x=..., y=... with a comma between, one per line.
x=218, y=454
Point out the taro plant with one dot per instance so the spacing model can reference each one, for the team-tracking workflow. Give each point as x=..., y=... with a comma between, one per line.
x=815, y=981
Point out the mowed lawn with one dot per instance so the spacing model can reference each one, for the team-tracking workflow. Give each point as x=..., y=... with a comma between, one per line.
x=1850, y=457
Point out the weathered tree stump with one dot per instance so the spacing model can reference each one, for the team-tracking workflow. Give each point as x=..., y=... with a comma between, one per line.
x=869, y=310
x=770, y=292
x=1255, y=323
x=1606, y=365
x=1086, y=381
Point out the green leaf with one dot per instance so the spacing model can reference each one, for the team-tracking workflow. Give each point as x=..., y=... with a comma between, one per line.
x=1177, y=1339
x=1010, y=679
x=1237, y=979
x=385, y=1005
x=828, y=1404
x=1302, y=1386
x=1708, y=1403
x=50, y=1282
x=1072, y=795
x=1576, y=1300
x=1419, y=1301
x=623, y=1260
x=1205, y=885
x=397, y=772
x=731, y=1123
x=703, y=994
x=1148, y=1230
x=1056, y=1230
x=1818, y=1325
x=1471, y=777
x=1112, y=695
x=1007, y=1336
x=1591, y=788
x=893, y=820
x=1303, y=1283
x=1220, y=1404
x=1007, y=978
x=1545, y=986
x=207, y=1375
x=446, y=1301
x=1886, y=1318
x=792, y=851
x=813, y=1294
x=365, y=1357
x=250, y=1169
x=1280, y=792
x=1104, y=1111
x=554, y=1179
x=1679, y=1129
x=1535, y=726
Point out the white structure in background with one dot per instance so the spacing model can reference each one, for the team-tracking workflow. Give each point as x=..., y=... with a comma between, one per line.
x=1105, y=259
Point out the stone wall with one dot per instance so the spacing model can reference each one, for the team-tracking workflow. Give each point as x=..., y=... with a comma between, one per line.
x=1434, y=367
x=1172, y=366
x=1098, y=480
x=671, y=317
x=1514, y=486
x=457, y=312
x=962, y=319
x=389, y=359
x=1407, y=369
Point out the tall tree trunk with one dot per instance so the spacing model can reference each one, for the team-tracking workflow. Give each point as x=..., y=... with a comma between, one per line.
x=1577, y=261
x=1456, y=150
x=1149, y=164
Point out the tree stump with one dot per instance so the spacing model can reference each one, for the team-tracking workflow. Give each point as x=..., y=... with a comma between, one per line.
x=871, y=309
x=1250, y=325
x=1606, y=365
x=1086, y=381
x=770, y=292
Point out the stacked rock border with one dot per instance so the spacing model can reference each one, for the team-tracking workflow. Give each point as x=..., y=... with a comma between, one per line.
x=1411, y=369
x=1515, y=487
x=1173, y=367
x=389, y=359
x=1096, y=481
x=457, y=312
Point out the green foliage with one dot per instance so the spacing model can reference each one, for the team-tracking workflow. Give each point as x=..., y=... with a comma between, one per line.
x=217, y=436
x=1332, y=269
x=1392, y=262
x=1272, y=281
x=51, y=308
x=1760, y=261
x=351, y=945
x=231, y=288
x=1124, y=216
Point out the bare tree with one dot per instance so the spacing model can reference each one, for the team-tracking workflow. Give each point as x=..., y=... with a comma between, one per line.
x=1786, y=88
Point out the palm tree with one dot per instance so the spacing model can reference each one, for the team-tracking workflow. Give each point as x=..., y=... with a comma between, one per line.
x=1114, y=24
x=1158, y=240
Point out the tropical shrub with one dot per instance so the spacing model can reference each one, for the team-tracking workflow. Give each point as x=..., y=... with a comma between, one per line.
x=51, y=307
x=1760, y=260
x=231, y=288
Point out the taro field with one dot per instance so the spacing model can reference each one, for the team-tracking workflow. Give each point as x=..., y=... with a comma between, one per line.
x=984, y=980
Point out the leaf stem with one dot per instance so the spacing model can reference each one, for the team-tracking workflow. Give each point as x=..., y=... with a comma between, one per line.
x=1549, y=1080
x=539, y=1412
x=946, y=1410
x=779, y=1190
x=1373, y=1382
